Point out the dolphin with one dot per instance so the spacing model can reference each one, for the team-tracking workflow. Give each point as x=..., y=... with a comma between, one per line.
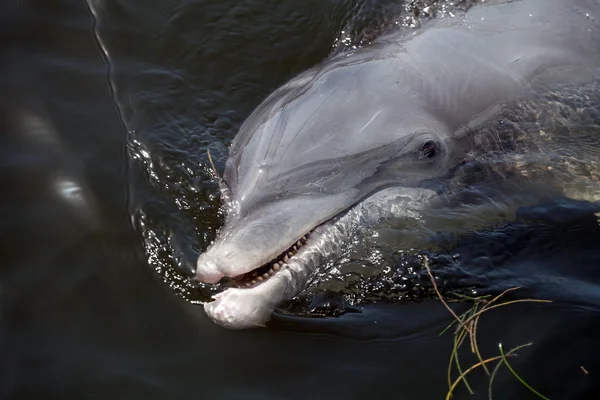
x=360, y=137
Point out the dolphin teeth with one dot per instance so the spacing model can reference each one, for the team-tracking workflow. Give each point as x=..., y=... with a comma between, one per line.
x=263, y=273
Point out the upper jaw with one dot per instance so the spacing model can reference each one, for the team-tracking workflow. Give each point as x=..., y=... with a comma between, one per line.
x=249, y=242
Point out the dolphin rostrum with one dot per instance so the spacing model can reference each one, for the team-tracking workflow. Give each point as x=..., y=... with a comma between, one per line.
x=355, y=139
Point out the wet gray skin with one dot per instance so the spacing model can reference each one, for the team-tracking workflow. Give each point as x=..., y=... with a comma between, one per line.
x=353, y=141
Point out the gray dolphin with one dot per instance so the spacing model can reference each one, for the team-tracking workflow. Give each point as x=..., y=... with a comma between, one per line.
x=352, y=140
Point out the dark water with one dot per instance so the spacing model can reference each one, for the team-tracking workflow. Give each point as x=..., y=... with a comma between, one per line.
x=107, y=200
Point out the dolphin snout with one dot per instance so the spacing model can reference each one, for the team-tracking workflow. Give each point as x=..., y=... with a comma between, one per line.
x=207, y=270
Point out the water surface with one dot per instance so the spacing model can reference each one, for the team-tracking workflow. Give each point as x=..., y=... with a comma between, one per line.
x=109, y=200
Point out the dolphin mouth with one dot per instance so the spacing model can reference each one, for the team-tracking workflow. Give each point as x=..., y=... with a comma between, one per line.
x=259, y=275
x=247, y=301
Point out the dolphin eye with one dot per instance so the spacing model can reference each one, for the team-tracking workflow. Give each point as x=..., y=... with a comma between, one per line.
x=429, y=149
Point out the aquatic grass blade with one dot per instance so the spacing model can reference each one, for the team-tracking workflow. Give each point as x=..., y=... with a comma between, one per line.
x=497, y=368
x=489, y=360
x=517, y=375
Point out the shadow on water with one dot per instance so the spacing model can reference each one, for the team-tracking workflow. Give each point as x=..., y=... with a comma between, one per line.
x=82, y=315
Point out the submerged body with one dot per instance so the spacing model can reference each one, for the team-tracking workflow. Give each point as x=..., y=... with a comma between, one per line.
x=363, y=136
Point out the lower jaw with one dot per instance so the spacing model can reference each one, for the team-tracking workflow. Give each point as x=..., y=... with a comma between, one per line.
x=243, y=308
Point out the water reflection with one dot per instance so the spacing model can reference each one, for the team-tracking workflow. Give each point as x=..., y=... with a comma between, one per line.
x=82, y=312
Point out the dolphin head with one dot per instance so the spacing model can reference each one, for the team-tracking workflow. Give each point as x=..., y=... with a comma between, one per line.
x=316, y=147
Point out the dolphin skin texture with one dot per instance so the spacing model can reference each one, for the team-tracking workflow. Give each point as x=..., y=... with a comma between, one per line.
x=355, y=140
